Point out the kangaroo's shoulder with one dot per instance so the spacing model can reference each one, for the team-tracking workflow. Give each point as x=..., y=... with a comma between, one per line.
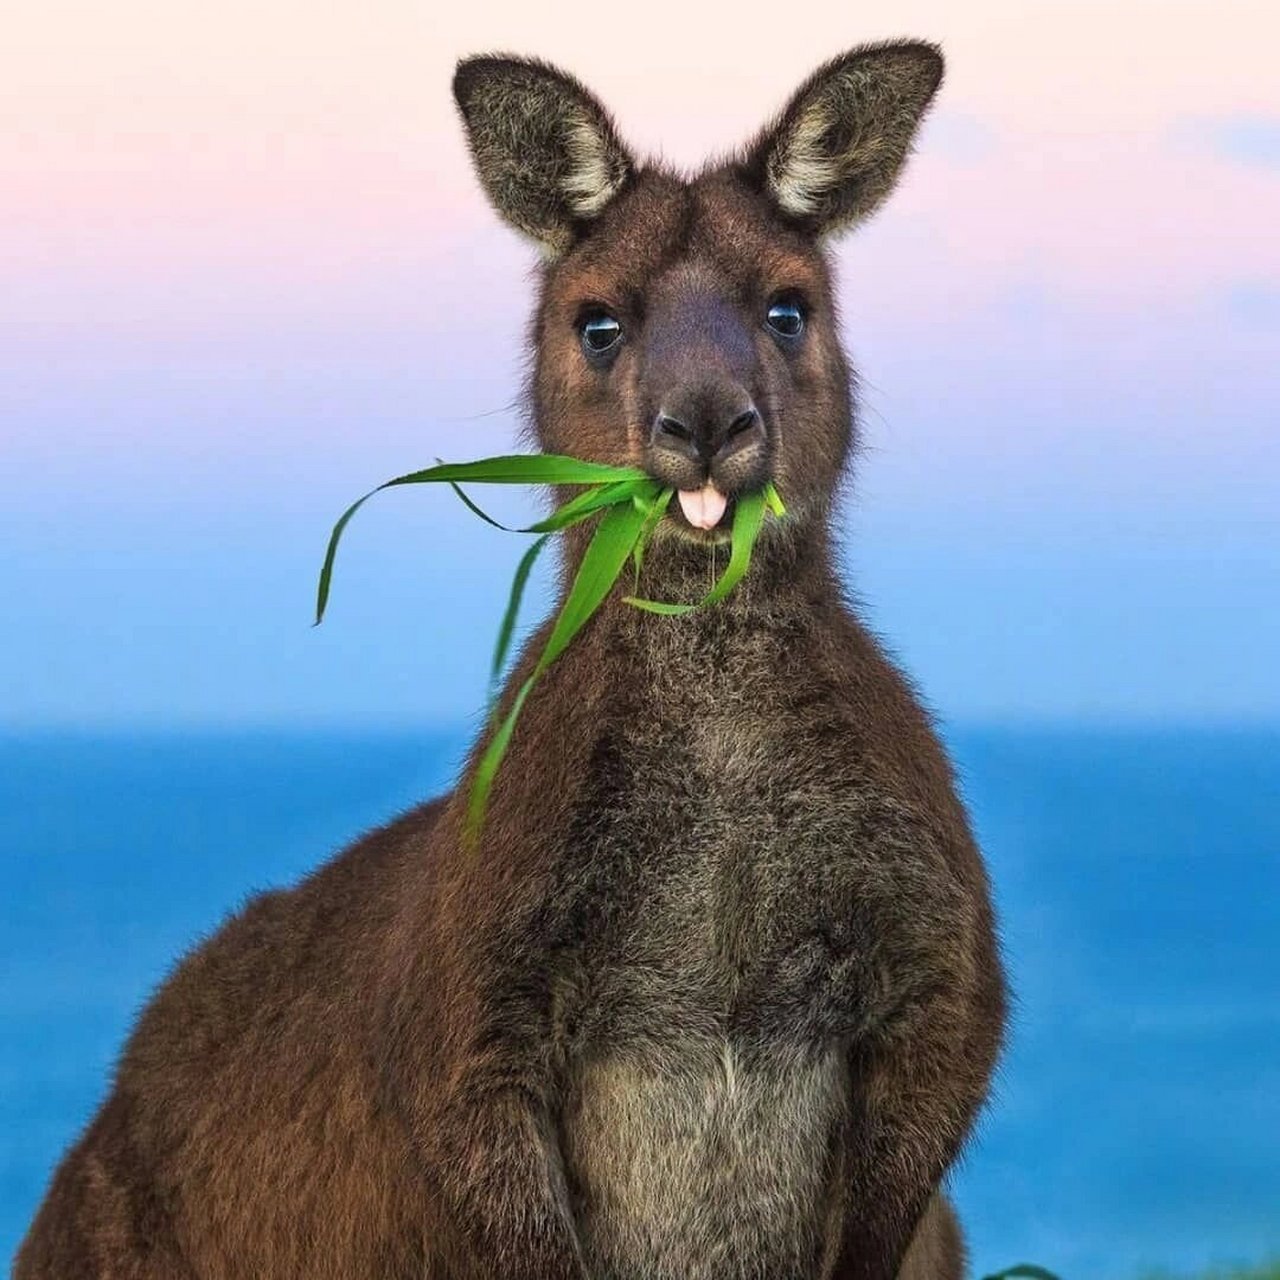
x=287, y=960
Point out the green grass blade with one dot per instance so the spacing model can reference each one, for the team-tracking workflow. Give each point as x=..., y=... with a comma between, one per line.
x=508, y=625
x=473, y=507
x=748, y=516
x=664, y=607
x=601, y=564
x=572, y=512
x=585, y=504
x=477, y=510
x=522, y=468
x=326, y=569
x=632, y=504
x=657, y=509
x=482, y=783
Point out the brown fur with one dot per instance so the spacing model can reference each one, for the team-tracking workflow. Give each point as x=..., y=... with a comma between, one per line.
x=718, y=995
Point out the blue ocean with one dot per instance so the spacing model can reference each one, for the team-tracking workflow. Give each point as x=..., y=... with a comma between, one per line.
x=1135, y=1126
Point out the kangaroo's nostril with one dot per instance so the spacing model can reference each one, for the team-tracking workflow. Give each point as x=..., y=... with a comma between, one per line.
x=673, y=427
x=743, y=422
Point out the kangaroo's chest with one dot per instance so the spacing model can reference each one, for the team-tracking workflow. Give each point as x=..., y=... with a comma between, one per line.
x=724, y=889
x=717, y=977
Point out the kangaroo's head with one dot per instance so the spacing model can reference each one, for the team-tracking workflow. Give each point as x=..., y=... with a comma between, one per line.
x=686, y=324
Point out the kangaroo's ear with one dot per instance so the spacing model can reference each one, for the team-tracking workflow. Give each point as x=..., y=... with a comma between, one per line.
x=835, y=151
x=544, y=148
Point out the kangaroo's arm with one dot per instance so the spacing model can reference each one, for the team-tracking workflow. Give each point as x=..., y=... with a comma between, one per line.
x=466, y=1030
x=919, y=1078
x=500, y=1179
x=464, y=1064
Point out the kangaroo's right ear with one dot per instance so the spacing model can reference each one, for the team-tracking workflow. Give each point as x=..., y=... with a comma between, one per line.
x=543, y=146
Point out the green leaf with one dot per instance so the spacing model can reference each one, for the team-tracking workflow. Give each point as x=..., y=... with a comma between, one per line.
x=521, y=468
x=477, y=510
x=606, y=495
x=601, y=564
x=572, y=512
x=748, y=515
x=482, y=783
x=747, y=519
x=668, y=609
x=606, y=553
x=326, y=569
x=508, y=625
x=575, y=510
x=657, y=509
x=524, y=468
x=773, y=500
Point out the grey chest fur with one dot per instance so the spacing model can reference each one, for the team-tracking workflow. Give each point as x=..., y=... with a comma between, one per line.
x=704, y=1164
x=721, y=902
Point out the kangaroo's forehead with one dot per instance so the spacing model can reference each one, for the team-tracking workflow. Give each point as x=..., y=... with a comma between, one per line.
x=666, y=236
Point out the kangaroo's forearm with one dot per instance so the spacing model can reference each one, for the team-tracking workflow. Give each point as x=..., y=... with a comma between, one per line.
x=916, y=1097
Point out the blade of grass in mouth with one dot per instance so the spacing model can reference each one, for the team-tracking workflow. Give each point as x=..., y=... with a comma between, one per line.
x=572, y=512
x=575, y=511
x=629, y=504
x=605, y=556
x=657, y=509
x=507, y=628
x=624, y=531
x=532, y=468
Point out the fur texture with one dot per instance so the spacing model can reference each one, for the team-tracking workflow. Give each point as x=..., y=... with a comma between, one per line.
x=545, y=150
x=838, y=148
x=718, y=995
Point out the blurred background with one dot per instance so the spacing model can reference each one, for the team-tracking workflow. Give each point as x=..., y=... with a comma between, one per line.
x=246, y=273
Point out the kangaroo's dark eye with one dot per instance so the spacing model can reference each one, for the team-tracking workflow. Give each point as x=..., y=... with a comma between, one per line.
x=600, y=332
x=786, y=316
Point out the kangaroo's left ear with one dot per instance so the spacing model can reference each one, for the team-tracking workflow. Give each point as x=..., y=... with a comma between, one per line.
x=837, y=148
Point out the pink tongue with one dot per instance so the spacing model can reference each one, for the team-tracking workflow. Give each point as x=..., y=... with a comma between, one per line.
x=703, y=507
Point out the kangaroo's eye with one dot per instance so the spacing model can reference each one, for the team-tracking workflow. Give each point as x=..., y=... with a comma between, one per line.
x=786, y=316
x=600, y=332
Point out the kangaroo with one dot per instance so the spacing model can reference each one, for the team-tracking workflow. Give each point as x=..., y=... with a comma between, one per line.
x=716, y=995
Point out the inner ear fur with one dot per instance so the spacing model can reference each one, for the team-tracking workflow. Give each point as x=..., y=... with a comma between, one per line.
x=836, y=150
x=546, y=151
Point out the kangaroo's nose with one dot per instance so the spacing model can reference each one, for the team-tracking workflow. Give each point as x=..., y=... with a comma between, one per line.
x=707, y=437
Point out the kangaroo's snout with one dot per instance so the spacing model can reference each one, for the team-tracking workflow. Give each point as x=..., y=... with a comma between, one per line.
x=700, y=363
x=709, y=433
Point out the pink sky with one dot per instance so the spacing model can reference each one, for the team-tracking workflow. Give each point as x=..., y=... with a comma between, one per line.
x=200, y=162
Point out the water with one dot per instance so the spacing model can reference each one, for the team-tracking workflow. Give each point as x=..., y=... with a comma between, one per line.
x=1136, y=1122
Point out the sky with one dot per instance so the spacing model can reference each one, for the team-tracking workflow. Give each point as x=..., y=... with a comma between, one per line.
x=246, y=273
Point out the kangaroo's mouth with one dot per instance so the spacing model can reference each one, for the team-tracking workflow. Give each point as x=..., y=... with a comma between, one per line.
x=703, y=508
x=707, y=515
